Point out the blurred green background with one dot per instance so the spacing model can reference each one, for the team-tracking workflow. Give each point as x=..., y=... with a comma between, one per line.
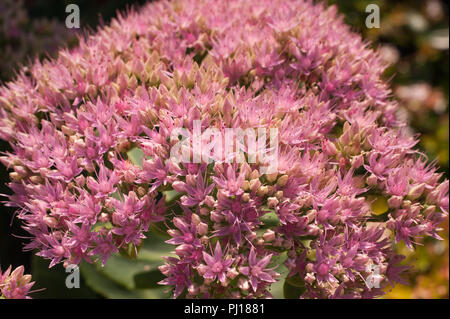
x=413, y=37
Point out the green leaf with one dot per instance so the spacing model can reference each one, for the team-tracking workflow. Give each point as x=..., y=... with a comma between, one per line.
x=53, y=280
x=124, y=277
x=171, y=196
x=154, y=248
x=136, y=156
x=291, y=291
x=159, y=229
x=276, y=289
x=104, y=286
x=148, y=279
x=270, y=220
x=117, y=195
x=296, y=281
x=379, y=205
x=122, y=270
x=277, y=260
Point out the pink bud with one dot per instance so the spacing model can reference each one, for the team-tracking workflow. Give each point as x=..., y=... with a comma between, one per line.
x=395, y=201
x=216, y=216
x=179, y=186
x=80, y=180
x=209, y=201
x=269, y=235
x=202, y=229
x=416, y=191
x=183, y=250
x=372, y=180
x=357, y=161
x=272, y=202
x=329, y=148
x=243, y=284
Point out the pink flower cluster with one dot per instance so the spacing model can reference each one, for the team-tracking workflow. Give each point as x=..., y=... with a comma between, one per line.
x=73, y=123
x=15, y=285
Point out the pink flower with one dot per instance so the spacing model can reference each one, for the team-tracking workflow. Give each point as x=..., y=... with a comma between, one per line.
x=256, y=270
x=105, y=183
x=216, y=266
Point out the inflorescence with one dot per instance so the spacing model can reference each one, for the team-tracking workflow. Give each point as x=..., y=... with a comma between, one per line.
x=349, y=183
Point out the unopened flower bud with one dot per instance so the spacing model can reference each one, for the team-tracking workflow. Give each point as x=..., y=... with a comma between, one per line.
x=282, y=180
x=262, y=191
x=204, y=211
x=254, y=174
x=311, y=215
x=279, y=195
x=209, y=201
x=255, y=184
x=129, y=176
x=429, y=210
x=269, y=235
x=22, y=171
x=406, y=204
x=272, y=202
x=202, y=269
x=216, y=216
x=66, y=130
x=36, y=179
x=271, y=177
x=195, y=219
x=357, y=161
x=193, y=289
x=173, y=232
x=243, y=284
x=372, y=180
x=141, y=191
x=204, y=240
x=179, y=186
x=309, y=267
x=80, y=180
x=202, y=229
x=246, y=197
x=329, y=148
x=416, y=191
x=225, y=283
x=191, y=180
x=395, y=201
x=309, y=278
x=245, y=185
x=183, y=250
x=14, y=176
x=50, y=221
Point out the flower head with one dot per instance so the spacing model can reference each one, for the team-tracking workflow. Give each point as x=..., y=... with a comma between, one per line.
x=92, y=134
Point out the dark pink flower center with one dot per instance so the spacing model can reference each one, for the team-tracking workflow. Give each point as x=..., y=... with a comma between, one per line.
x=217, y=267
x=104, y=187
x=347, y=262
x=236, y=207
x=188, y=238
x=322, y=270
x=256, y=271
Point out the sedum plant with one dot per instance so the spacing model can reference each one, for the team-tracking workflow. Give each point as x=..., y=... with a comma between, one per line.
x=93, y=134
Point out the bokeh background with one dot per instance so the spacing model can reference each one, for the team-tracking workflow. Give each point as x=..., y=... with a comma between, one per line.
x=413, y=37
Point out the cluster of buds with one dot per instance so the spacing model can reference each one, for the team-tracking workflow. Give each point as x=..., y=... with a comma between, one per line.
x=91, y=138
